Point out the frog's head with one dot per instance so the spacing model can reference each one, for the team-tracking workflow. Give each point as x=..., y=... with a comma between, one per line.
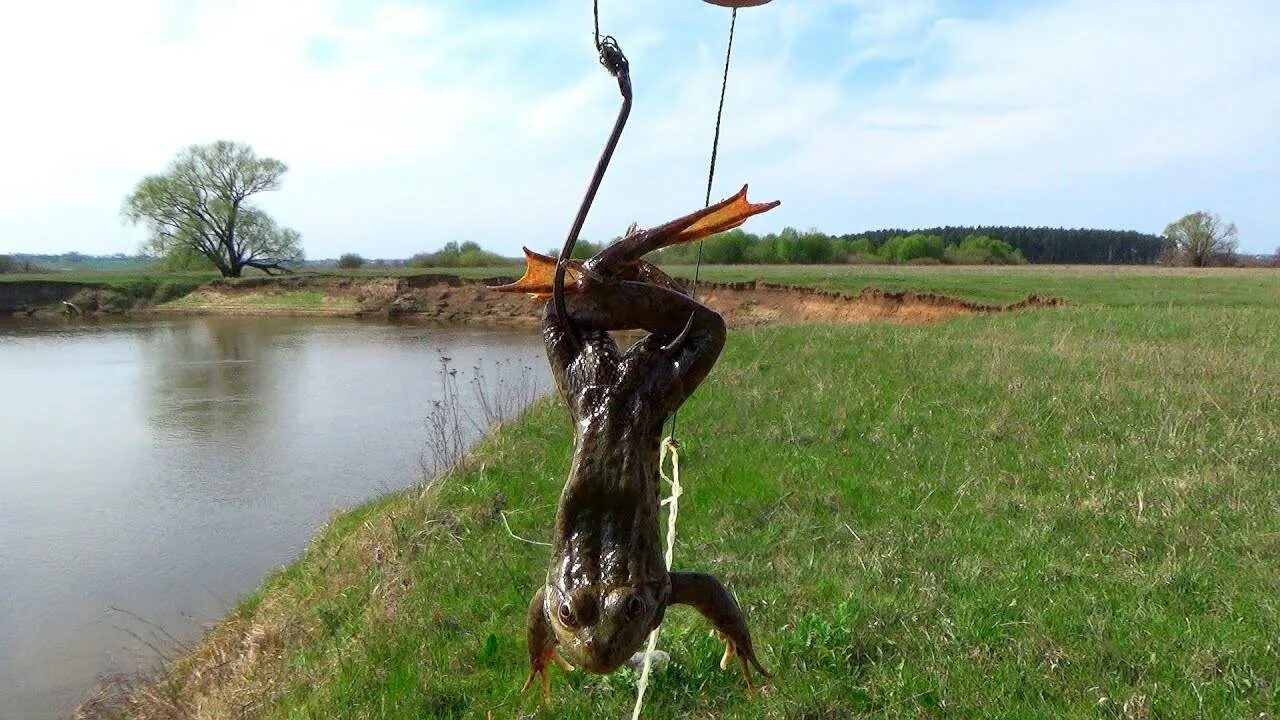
x=600, y=628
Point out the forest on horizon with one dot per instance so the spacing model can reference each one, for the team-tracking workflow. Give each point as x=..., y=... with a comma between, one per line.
x=950, y=244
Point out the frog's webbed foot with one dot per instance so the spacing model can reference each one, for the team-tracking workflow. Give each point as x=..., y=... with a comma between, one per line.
x=746, y=657
x=538, y=669
x=620, y=257
x=539, y=276
x=714, y=602
x=542, y=646
x=621, y=260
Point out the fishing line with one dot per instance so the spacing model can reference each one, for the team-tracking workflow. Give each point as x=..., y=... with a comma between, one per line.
x=711, y=174
x=670, y=445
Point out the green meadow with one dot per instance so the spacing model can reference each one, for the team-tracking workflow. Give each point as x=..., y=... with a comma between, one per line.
x=1057, y=513
x=1110, y=286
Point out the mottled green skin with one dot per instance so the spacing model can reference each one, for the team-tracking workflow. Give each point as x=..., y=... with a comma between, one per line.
x=607, y=586
x=607, y=562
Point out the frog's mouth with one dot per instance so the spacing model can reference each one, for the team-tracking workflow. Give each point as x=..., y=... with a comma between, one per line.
x=600, y=657
x=605, y=645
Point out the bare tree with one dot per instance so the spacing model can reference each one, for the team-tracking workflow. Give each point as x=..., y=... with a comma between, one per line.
x=201, y=203
x=1201, y=238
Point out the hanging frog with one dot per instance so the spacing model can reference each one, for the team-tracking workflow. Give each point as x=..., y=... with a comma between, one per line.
x=607, y=586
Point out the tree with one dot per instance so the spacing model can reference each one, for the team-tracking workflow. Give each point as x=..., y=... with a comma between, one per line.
x=183, y=258
x=982, y=250
x=912, y=247
x=1200, y=238
x=467, y=254
x=201, y=203
x=350, y=261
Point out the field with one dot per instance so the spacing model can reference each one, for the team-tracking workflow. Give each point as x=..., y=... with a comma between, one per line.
x=1123, y=286
x=1069, y=512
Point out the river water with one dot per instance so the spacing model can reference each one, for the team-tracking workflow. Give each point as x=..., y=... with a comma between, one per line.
x=153, y=472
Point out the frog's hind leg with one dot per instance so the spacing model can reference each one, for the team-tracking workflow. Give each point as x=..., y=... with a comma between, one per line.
x=714, y=602
x=686, y=339
x=661, y=371
x=619, y=258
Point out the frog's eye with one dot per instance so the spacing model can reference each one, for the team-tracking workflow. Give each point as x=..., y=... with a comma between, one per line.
x=635, y=606
x=566, y=613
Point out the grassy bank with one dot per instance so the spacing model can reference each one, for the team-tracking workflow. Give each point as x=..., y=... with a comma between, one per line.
x=304, y=293
x=1060, y=513
x=200, y=277
x=1114, y=286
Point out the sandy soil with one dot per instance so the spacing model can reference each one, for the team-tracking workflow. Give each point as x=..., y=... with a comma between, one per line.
x=438, y=298
x=755, y=303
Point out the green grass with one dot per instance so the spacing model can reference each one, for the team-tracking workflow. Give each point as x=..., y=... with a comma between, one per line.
x=287, y=299
x=110, y=278
x=478, y=273
x=1057, y=513
x=122, y=290
x=291, y=298
x=1113, y=286
x=1119, y=286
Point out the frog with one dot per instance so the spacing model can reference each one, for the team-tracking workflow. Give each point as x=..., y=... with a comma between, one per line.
x=607, y=586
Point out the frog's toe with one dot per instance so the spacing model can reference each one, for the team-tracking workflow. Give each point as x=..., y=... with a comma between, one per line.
x=538, y=670
x=747, y=658
x=544, y=680
x=729, y=653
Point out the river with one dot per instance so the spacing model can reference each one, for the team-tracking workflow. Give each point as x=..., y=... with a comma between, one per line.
x=152, y=472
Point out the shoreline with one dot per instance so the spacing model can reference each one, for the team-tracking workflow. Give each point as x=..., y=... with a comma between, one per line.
x=455, y=300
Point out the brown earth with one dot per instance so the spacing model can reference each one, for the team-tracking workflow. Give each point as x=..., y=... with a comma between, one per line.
x=449, y=299
x=757, y=303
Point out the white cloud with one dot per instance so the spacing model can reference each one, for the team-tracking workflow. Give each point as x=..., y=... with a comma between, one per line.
x=406, y=126
x=1044, y=116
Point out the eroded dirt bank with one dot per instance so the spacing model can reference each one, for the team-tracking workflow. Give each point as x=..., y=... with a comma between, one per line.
x=29, y=296
x=756, y=303
x=441, y=298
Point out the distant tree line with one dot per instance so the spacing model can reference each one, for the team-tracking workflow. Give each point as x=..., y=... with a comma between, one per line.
x=961, y=245
x=1055, y=245
x=10, y=264
x=1197, y=239
x=26, y=262
x=951, y=245
x=453, y=254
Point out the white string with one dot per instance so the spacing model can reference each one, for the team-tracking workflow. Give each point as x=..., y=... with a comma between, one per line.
x=507, y=525
x=669, y=444
x=673, y=509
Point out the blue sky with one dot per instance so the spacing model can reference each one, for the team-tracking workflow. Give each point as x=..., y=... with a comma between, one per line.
x=407, y=125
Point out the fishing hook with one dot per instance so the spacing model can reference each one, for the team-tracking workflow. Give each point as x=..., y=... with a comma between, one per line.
x=615, y=62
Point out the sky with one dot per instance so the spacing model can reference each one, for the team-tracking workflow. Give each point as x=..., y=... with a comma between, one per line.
x=407, y=125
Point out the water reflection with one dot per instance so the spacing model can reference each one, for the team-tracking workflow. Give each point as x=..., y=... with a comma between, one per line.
x=211, y=380
x=165, y=467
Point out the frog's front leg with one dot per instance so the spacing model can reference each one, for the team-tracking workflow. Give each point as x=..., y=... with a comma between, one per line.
x=542, y=645
x=714, y=602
